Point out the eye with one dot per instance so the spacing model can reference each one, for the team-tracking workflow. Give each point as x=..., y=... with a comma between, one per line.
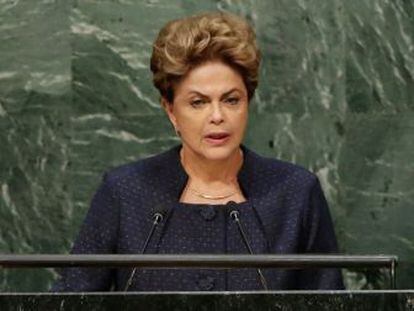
x=232, y=100
x=196, y=103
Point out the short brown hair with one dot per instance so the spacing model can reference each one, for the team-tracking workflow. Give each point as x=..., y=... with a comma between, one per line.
x=185, y=43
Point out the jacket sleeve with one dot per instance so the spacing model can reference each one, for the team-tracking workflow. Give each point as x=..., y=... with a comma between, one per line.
x=319, y=238
x=98, y=235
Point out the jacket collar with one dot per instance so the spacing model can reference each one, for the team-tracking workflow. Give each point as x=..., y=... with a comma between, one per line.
x=177, y=177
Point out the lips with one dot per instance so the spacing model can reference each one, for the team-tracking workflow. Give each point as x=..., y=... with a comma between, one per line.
x=217, y=135
x=217, y=138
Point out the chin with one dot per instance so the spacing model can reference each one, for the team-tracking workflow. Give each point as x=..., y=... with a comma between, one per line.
x=219, y=153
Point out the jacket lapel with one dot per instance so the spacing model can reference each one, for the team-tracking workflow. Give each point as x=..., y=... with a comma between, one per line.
x=169, y=180
x=256, y=181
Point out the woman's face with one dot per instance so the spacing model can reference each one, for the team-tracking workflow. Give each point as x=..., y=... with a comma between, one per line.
x=210, y=110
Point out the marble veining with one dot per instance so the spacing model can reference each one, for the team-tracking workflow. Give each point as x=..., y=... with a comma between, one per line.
x=76, y=98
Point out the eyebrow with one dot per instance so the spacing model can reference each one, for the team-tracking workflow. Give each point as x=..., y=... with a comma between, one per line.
x=222, y=96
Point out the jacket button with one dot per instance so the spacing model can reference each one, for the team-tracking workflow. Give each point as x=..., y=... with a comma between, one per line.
x=208, y=212
x=206, y=283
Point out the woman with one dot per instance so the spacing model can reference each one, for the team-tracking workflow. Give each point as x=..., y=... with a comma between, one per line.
x=206, y=69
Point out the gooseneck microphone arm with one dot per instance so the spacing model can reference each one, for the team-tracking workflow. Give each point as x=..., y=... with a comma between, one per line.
x=235, y=216
x=158, y=217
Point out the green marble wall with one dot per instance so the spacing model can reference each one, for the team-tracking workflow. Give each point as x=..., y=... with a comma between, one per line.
x=336, y=96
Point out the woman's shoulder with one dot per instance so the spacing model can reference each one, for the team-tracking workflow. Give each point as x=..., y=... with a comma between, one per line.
x=164, y=163
x=278, y=170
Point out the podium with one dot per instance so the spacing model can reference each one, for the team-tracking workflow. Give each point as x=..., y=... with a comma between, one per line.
x=390, y=299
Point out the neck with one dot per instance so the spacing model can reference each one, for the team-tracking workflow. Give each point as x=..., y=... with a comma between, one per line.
x=208, y=171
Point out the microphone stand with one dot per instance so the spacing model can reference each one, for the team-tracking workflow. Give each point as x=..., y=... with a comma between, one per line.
x=158, y=217
x=235, y=216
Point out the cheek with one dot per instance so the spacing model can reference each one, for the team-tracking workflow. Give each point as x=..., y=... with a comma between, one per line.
x=241, y=120
x=190, y=124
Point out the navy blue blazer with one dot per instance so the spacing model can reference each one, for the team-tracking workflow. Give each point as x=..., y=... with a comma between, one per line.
x=285, y=213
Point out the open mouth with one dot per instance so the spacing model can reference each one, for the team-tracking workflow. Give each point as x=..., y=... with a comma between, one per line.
x=217, y=138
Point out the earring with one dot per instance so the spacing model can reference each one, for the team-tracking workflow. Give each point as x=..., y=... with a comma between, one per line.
x=177, y=132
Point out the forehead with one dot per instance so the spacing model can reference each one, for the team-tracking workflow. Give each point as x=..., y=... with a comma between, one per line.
x=213, y=77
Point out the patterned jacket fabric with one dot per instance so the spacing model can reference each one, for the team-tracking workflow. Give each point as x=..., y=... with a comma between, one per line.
x=285, y=213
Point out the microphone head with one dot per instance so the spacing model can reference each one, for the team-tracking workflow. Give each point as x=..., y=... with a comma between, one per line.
x=158, y=216
x=158, y=213
x=232, y=208
x=234, y=215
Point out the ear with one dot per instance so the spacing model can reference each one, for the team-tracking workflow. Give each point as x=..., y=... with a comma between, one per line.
x=169, y=109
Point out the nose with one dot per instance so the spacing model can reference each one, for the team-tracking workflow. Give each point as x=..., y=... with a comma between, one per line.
x=216, y=116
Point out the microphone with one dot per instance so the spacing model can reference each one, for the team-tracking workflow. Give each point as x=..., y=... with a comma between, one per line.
x=234, y=214
x=157, y=219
